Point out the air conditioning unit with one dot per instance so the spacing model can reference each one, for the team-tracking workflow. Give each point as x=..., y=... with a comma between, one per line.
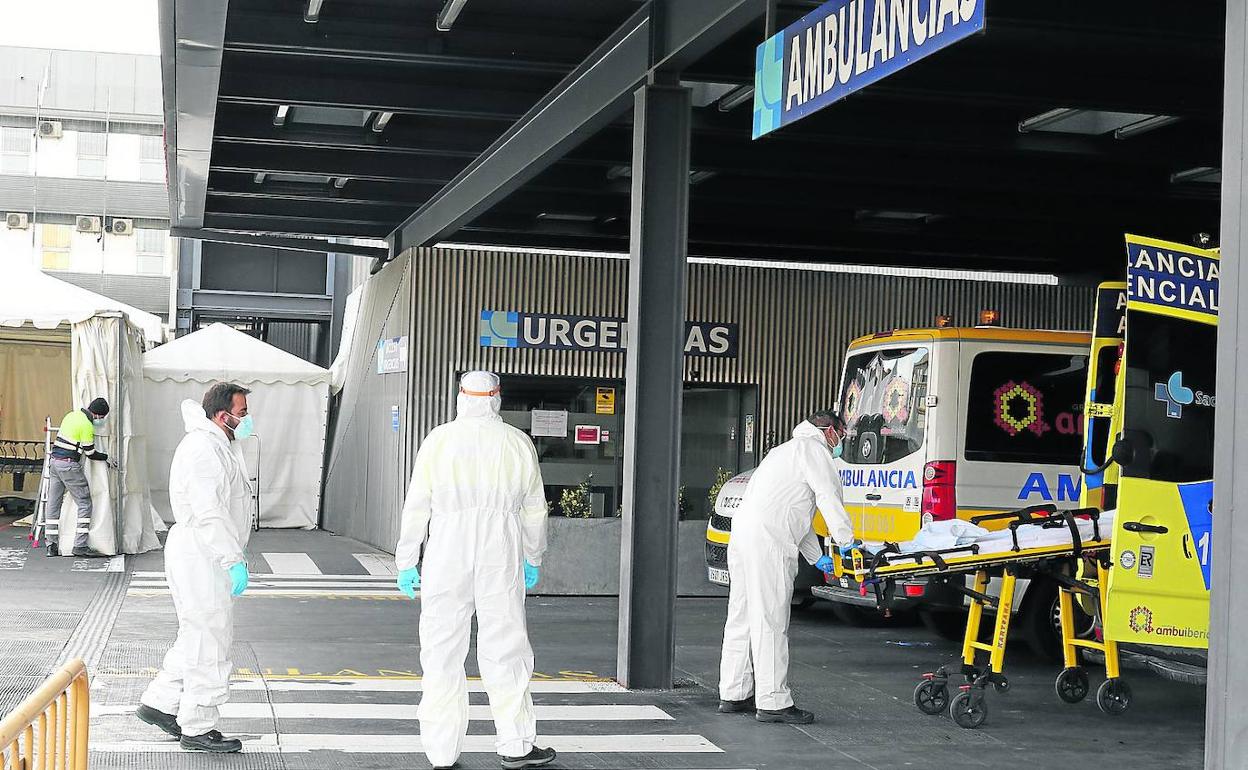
x=17, y=221
x=49, y=129
x=122, y=227
x=88, y=224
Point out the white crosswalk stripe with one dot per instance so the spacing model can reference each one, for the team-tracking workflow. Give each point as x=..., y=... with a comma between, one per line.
x=618, y=728
x=291, y=564
x=376, y=563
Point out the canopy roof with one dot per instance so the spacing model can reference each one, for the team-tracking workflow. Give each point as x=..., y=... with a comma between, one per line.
x=31, y=296
x=221, y=352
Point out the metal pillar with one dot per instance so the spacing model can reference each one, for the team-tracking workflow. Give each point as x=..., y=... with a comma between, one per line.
x=656, y=322
x=1226, y=721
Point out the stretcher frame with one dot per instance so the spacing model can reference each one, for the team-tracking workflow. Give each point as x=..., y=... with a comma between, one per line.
x=968, y=707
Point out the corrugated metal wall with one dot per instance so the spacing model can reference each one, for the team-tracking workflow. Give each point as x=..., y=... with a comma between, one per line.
x=793, y=326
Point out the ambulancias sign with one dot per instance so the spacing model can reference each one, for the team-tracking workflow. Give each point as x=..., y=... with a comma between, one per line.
x=845, y=45
x=509, y=329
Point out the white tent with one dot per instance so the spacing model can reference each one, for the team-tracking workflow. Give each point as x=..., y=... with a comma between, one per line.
x=289, y=401
x=60, y=347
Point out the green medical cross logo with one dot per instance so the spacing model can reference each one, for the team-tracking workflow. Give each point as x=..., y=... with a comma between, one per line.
x=499, y=329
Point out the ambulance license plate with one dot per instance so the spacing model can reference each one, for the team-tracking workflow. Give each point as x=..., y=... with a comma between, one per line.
x=718, y=576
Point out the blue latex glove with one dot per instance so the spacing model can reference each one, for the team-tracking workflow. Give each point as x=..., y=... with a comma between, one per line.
x=844, y=550
x=238, y=578
x=825, y=565
x=409, y=581
x=531, y=575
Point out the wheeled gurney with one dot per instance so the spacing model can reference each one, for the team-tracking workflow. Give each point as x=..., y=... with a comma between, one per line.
x=1037, y=540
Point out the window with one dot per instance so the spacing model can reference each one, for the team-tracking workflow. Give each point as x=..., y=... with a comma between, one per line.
x=151, y=248
x=56, y=241
x=15, y=150
x=1098, y=443
x=884, y=402
x=151, y=159
x=1026, y=408
x=1170, y=428
x=92, y=154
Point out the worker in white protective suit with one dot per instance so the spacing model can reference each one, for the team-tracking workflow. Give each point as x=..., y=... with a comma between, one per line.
x=771, y=527
x=476, y=490
x=205, y=568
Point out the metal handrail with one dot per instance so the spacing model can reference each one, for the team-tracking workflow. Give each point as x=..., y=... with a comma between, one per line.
x=50, y=728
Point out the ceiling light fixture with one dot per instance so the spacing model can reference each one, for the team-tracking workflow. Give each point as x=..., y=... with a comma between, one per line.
x=381, y=120
x=1037, y=122
x=1145, y=125
x=259, y=177
x=449, y=13
x=735, y=98
x=279, y=115
x=1206, y=174
x=313, y=14
x=341, y=182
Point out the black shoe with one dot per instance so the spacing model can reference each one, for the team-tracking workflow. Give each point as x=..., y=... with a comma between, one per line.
x=53, y=550
x=535, y=758
x=790, y=716
x=87, y=552
x=212, y=741
x=736, y=706
x=158, y=718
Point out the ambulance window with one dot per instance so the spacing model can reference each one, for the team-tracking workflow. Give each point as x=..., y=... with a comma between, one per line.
x=884, y=401
x=1170, y=428
x=1098, y=441
x=1026, y=408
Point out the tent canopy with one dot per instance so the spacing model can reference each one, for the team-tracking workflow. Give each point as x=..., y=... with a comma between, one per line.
x=221, y=352
x=31, y=296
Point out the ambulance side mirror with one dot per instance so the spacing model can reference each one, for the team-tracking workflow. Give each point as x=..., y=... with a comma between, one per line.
x=1123, y=452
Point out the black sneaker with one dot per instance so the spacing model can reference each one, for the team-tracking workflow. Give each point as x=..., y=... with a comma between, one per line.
x=790, y=716
x=158, y=718
x=53, y=550
x=87, y=552
x=212, y=741
x=736, y=706
x=535, y=758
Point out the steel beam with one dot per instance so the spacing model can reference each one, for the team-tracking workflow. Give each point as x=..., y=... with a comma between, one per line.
x=270, y=242
x=593, y=95
x=1226, y=715
x=657, y=276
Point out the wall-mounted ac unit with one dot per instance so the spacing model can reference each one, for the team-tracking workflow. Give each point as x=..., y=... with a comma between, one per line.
x=121, y=227
x=88, y=224
x=17, y=221
x=50, y=129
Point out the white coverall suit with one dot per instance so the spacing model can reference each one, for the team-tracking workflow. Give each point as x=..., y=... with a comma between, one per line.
x=770, y=528
x=477, y=490
x=211, y=501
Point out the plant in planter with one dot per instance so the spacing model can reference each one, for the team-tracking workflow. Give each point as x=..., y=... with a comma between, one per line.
x=721, y=478
x=574, y=502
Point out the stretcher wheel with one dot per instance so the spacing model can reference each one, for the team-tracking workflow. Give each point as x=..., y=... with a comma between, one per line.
x=1114, y=696
x=1072, y=684
x=968, y=710
x=931, y=697
x=1001, y=685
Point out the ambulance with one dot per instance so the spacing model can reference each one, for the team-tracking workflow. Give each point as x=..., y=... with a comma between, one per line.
x=947, y=423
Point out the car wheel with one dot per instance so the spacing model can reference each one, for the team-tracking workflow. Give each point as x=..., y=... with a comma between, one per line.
x=1041, y=619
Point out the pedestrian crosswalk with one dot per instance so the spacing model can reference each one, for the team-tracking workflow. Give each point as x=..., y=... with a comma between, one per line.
x=146, y=583
x=374, y=716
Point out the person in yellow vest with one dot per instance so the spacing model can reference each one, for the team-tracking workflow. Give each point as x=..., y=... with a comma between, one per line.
x=74, y=439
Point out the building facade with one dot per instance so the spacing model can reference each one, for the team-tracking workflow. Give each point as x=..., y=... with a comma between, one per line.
x=765, y=347
x=82, y=174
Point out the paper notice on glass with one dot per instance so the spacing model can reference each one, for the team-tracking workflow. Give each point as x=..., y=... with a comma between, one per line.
x=550, y=424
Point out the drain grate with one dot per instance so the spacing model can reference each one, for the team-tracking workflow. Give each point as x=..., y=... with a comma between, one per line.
x=188, y=761
x=91, y=635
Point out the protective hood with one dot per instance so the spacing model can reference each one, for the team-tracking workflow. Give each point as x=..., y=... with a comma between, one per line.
x=193, y=418
x=807, y=429
x=478, y=396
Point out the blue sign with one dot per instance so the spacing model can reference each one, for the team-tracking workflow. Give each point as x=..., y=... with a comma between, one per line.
x=509, y=329
x=1171, y=276
x=845, y=45
x=1068, y=488
x=1198, y=507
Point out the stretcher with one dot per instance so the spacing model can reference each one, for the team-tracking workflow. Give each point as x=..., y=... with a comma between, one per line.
x=1037, y=540
x=20, y=458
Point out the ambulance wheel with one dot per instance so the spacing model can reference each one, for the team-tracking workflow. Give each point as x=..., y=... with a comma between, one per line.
x=1072, y=684
x=968, y=711
x=1114, y=696
x=931, y=697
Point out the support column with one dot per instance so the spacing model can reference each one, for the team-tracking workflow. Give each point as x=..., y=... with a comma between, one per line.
x=1226, y=721
x=656, y=323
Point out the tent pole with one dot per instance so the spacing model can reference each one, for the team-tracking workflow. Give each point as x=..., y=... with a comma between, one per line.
x=119, y=444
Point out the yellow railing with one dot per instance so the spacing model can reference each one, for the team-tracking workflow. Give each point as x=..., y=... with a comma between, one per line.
x=48, y=730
